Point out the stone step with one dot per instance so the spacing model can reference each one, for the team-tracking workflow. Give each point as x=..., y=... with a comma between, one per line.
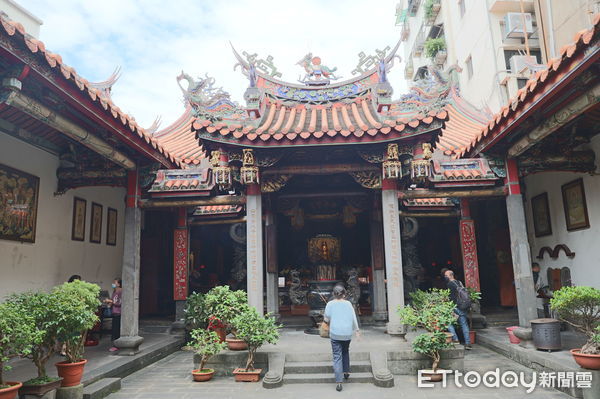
x=358, y=366
x=322, y=357
x=101, y=388
x=326, y=378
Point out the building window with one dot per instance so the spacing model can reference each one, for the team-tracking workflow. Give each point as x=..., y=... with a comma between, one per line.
x=509, y=53
x=521, y=82
x=469, y=63
x=461, y=6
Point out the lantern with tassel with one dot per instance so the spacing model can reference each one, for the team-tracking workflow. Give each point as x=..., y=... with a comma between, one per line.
x=249, y=171
x=392, y=167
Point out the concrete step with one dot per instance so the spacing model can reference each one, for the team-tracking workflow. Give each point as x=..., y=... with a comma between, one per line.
x=101, y=388
x=359, y=366
x=326, y=378
x=322, y=357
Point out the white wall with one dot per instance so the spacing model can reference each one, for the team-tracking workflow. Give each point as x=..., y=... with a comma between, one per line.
x=54, y=256
x=16, y=12
x=585, y=266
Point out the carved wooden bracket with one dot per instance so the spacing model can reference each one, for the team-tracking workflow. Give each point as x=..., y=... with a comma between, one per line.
x=556, y=251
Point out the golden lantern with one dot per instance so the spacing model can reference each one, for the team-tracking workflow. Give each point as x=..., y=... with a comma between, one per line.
x=420, y=169
x=249, y=171
x=392, y=167
x=221, y=170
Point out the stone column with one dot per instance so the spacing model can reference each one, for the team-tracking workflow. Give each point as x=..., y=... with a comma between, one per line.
x=393, y=256
x=254, y=247
x=520, y=249
x=377, y=265
x=180, y=269
x=272, y=265
x=130, y=341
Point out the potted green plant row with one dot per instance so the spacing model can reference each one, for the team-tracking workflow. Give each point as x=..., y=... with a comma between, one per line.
x=580, y=308
x=432, y=311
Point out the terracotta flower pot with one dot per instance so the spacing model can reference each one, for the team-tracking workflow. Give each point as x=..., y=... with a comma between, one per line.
x=203, y=375
x=591, y=362
x=71, y=373
x=433, y=376
x=11, y=391
x=472, y=336
x=39, y=389
x=242, y=375
x=235, y=344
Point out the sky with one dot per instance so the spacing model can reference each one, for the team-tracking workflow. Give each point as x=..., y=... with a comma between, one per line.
x=153, y=41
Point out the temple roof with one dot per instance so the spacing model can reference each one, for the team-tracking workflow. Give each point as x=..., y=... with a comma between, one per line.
x=539, y=85
x=334, y=123
x=96, y=92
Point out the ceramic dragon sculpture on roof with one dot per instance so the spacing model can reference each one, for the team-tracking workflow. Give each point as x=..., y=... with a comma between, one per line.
x=208, y=101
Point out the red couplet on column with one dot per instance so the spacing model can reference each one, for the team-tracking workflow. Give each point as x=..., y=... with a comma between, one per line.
x=468, y=244
x=180, y=264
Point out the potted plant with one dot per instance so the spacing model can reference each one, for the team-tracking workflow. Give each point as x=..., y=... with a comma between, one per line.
x=255, y=330
x=206, y=344
x=475, y=307
x=432, y=311
x=221, y=304
x=17, y=332
x=42, y=308
x=433, y=46
x=195, y=312
x=432, y=8
x=580, y=307
x=78, y=303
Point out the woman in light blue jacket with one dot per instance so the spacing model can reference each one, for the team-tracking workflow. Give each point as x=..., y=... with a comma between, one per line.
x=340, y=315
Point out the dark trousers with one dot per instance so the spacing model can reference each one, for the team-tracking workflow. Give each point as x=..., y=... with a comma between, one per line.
x=341, y=358
x=116, y=327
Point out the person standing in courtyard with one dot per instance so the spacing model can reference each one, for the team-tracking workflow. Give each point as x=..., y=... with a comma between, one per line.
x=115, y=305
x=457, y=295
x=341, y=318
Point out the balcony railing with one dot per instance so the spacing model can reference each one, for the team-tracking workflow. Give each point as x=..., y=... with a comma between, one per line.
x=413, y=7
x=420, y=41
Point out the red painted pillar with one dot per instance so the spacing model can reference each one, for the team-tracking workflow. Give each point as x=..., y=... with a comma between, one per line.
x=180, y=257
x=468, y=246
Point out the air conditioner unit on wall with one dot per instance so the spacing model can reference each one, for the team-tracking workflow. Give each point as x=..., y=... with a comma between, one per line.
x=519, y=63
x=513, y=25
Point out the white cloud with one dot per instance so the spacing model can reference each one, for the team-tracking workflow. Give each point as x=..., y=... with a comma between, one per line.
x=154, y=40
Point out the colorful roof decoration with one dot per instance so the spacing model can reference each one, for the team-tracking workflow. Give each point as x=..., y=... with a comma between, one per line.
x=183, y=182
x=462, y=172
x=214, y=210
x=428, y=203
x=581, y=50
x=95, y=91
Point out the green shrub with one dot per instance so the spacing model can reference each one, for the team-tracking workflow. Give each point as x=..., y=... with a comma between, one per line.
x=580, y=307
x=195, y=312
x=428, y=7
x=255, y=330
x=78, y=303
x=433, y=46
x=433, y=311
x=44, y=312
x=206, y=344
x=223, y=304
x=17, y=334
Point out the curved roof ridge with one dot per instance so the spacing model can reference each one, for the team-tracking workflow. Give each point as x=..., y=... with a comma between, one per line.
x=185, y=118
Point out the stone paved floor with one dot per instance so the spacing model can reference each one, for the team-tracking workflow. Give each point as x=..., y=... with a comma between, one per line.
x=171, y=378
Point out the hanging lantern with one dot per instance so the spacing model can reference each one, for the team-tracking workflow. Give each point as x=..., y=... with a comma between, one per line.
x=392, y=167
x=249, y=170
x=221, y=170
x=420, y=169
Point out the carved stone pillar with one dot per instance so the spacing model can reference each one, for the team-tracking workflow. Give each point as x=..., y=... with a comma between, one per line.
x=519, y=246
x=393, y=256
x=254, y=247
x=130, y=341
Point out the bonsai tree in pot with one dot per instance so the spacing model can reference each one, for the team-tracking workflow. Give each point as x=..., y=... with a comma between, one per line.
x=580, y=308
x=432, y=311
x=42, y=308
x=206, y=344
x=17, y=333
x=255, y=330
x=78, y=303
x=196, y=315
x=221, y=305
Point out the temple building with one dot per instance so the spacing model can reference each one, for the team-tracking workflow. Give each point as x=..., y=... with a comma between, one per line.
x=306, y=184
